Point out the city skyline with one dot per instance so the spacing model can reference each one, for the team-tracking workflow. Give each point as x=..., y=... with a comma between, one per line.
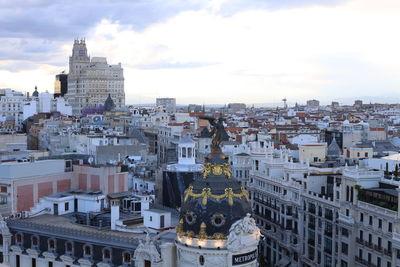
x=211, y=52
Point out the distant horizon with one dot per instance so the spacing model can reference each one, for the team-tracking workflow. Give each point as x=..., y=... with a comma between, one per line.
x=205, y=51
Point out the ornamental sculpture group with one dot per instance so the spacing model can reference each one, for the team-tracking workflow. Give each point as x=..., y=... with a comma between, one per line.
x=218, y=132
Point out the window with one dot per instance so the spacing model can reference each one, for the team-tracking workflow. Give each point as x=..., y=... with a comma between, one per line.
x=52, y=244
x=347, y=212
x=18, y=238
x=201, y=260
x=66, y=206
x=380, y=224
x=370, y=220
x=106, y=253
x=151, y=218
x=34, y=241
x=88, y=250
x=127, y=257
x=378, y=262
x=390, y=227
x=345, y=248
x=345, y=232
x=68, y=247
x=33, y=262
x=50, y=264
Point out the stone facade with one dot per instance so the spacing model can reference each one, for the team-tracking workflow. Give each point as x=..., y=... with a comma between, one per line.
x=91, y=80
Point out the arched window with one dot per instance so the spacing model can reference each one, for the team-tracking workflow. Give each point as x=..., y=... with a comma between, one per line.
x=201, y=260
x=18, y=238
x=35, y=241
x=106, y=253
x=126, y=257
x=68, y=247
x=88, y=251
x=52, y=244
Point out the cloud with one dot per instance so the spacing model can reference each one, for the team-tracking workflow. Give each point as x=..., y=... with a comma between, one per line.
x=211, y=51
x=173, y=65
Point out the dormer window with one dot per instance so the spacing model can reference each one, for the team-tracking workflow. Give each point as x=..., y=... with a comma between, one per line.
x=126, y=257
x=34, y=241
x=52, y=244
x=18, y=239
x=68, y=247
x=87, y=251
x=106, y=254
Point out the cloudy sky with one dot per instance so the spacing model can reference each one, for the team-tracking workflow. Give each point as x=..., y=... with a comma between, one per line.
x=212, y=51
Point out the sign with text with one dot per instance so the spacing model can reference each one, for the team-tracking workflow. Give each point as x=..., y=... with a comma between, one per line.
x=244, y=258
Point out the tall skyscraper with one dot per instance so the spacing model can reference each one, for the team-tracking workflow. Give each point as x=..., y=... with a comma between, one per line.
x=91, y=80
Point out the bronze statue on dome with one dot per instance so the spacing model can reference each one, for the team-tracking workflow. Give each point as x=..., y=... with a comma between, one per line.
x=218, y=132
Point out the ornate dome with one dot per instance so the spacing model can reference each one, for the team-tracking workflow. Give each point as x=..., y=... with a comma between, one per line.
x=214, y=201
x=35, y=93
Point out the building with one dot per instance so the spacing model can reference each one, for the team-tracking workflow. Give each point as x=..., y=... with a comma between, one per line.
x=168, y=103
x=235, y=107
x=312, y=103
x=23, y=184
x=61, y=85
x=11, y=110
x=177, y=177
x=358, y=103
x=91, y=80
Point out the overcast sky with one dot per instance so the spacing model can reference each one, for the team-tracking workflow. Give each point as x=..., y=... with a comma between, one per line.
x=215, y=51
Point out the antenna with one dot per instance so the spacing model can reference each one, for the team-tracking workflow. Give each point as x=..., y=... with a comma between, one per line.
x=284, y=103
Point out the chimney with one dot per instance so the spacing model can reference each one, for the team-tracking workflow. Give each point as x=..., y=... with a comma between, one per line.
x=114, y=213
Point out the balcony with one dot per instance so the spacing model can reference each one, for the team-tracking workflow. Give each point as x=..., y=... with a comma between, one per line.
x=387, y=252
x=378, y=248
x=346, y=219
x=359, y=241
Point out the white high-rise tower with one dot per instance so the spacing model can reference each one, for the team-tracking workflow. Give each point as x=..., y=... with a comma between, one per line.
x=91, y=80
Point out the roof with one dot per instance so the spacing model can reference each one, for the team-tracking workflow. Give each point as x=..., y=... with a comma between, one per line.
x=158, y=211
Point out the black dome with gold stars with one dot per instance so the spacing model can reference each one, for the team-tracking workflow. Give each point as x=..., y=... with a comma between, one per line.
x=214, y=201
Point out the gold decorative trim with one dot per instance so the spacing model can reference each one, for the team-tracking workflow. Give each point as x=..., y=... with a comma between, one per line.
x=202, y=234
x=217, y=169
x=206, y=193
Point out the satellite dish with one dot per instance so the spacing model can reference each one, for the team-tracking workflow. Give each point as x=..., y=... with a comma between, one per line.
x=90, y=160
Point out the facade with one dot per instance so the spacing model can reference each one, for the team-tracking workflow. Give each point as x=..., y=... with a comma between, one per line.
x=315, y=215
x=61, y=85
x=91, y=80
x=11, y=107
x=168, y=103
x=24, y=184
x=312, y=103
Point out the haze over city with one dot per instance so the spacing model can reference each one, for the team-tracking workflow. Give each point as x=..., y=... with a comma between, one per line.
x=212, y=51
